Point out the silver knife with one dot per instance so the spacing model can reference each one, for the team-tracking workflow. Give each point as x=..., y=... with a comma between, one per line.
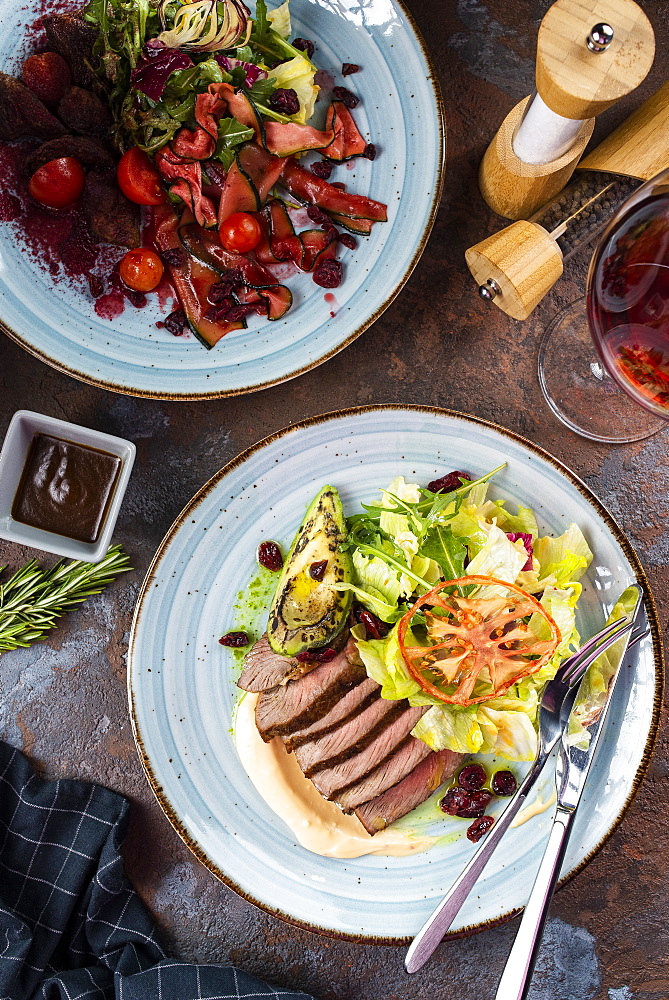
x=573, y=769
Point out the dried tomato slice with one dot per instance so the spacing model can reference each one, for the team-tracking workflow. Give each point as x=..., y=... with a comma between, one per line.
x=472, y=639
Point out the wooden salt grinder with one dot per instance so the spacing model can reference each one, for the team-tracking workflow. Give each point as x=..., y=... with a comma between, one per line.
x=590, y=53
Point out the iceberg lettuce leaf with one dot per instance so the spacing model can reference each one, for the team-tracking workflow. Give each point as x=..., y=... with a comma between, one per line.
x=384, y=662
x=279, y=19
x=595, y=685
x=499, y=557
x=298, y=74
x=564, y=558
x=491, y=727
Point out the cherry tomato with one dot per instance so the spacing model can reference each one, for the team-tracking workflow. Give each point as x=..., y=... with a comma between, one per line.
x=138, y=179
x=240, y=232
x=468, y=636
x=58, y=183
x=141, y=269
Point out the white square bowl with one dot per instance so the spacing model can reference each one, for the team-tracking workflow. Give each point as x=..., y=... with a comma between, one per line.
x=23, y=426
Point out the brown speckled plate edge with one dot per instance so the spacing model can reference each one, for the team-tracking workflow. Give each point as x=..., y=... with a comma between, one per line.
x=584, y=490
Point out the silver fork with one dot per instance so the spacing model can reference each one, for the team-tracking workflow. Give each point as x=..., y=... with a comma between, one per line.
x=555, y=693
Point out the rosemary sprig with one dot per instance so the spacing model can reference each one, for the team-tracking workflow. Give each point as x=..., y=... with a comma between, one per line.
x=32, y=599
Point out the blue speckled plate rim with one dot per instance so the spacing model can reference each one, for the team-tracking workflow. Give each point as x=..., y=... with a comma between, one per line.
x=432, y=78
x=583, y=489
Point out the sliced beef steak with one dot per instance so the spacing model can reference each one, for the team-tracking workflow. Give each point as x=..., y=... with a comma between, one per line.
x=84, y=112
x=393, y=770
x=302, y=701
x=264, y=669
x=92, y=153
x=350, y=737
x=401, y=798
x=73, y=39
x=111, y=217
x=22, y=114
x=334, y=779
x=349, y=704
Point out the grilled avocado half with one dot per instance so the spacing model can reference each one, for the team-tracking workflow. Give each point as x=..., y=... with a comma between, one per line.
x=306, y=612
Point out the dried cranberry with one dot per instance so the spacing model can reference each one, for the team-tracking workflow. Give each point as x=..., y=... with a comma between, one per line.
x=322, y=169
x=331, y=231
x=231, y=312
x=285, y=101
x=329, y=273
x=347, y=97
x=479, y=828
x=374, y=627
x=269, y=556
x=317, y=655
x=173, y=258
x=176, y=322
x=370, y=151
x=317, y=569
x=347, y=69
x=219, y=292
x=504, y=783
x=348, y=240
x=237, y=313
x=138, y=299
x=478, y=803
x=472, y=777
x=96, y=285
x=449, y=482
x=317, y=215
x=304, y=45
x=454, y=800
x=234, y=639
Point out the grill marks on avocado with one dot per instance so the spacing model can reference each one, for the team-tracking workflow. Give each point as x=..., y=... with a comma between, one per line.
x=306, y=612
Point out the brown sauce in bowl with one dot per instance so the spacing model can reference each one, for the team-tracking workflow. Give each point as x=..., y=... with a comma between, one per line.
x=65, y=488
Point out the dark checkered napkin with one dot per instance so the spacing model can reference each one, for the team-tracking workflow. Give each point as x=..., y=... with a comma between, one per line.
x=71, y=925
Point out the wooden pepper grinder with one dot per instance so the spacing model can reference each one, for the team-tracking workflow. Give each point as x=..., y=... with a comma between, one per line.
x=516, y=267
x=590, y=53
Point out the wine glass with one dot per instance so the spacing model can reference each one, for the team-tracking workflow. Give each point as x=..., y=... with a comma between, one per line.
x=618, y=337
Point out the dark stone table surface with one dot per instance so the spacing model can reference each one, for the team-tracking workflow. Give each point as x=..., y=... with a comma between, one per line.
x=64, y=701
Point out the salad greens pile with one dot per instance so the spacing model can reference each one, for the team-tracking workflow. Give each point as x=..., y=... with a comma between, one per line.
x=413, y=538
x=152, y=68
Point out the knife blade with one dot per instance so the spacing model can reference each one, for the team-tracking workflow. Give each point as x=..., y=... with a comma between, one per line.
x=574, y=766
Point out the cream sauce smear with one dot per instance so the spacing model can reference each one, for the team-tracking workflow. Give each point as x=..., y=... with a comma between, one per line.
x=318, y=825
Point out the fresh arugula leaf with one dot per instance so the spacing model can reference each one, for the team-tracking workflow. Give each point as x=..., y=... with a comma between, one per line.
x=262, y=89
x=261, y=25
x=123, y=28
x=268, y=41
x=231, y=134
x=195, y=78
x=448, y=551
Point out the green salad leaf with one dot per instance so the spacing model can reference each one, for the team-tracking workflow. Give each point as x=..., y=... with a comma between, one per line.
x=595, y=685
x=447, y=550
x=231, y=134
x=269, y=42
x=279, y=19
x=498, y=557
x=123, y=28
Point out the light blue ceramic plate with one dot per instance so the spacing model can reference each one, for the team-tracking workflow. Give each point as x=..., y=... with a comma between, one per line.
x=400, y=111
x=182, y=690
